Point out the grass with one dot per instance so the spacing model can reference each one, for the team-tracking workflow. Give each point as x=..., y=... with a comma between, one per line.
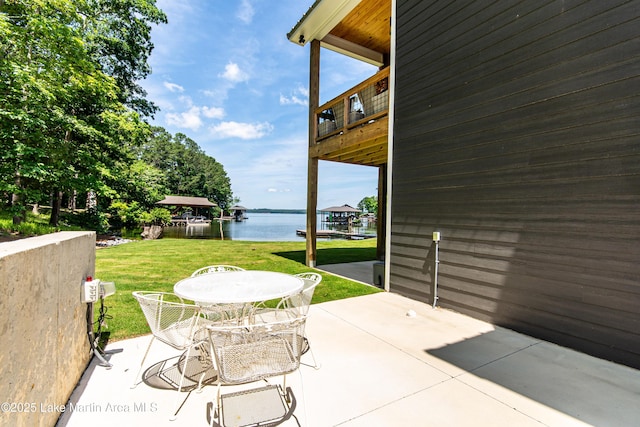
x=34, y=225
x=159, y=264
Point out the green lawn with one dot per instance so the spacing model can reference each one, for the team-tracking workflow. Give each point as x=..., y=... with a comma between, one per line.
x=159, y=264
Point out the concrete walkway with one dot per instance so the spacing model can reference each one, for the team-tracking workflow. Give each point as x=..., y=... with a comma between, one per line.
x=387, y=360
x=359, y=271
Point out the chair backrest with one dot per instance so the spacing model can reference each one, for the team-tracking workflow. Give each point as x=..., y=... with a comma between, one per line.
x=247, y=353
x=302, y=300
x=170, y=319
x=311, y=276
x=215, y=269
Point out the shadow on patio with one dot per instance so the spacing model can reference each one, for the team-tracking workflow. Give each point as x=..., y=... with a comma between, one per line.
x=382, y=367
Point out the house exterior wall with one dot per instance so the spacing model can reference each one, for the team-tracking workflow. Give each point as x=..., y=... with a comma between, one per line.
x=516, y=136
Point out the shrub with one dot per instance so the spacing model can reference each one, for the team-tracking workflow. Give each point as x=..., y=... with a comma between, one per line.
x=157, y=216
x=125, y=215
x=90, y=219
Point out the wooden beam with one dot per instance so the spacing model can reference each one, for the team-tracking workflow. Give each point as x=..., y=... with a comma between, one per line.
x=312, y=207
x=371, y=146
x=353, y=50
x=365, y=159
x=374, y=155
x=312, y=171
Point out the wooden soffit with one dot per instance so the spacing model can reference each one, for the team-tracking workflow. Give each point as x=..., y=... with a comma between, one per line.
x=357, y=28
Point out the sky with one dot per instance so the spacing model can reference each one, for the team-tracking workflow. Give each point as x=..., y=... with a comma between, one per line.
x=225, y=75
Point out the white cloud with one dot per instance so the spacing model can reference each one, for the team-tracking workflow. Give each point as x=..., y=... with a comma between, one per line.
x=299, y=96
x=293, y=100
x=189, y=119
x=233, y=73
x=241, y=130
x=173, y=87
x=186, y=100
x=245, y=12
x=213, y=112
x=192, y=118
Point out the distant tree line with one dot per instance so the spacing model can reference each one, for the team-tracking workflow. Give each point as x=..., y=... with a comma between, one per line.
x=73, y=130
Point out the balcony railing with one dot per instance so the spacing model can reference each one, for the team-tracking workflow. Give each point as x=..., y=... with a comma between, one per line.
x=366, y=102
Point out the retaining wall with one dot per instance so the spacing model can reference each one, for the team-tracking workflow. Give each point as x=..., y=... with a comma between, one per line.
x=43, y=326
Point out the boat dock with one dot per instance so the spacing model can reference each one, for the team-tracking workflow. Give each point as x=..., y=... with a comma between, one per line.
x=186, y=222
x=337, y=234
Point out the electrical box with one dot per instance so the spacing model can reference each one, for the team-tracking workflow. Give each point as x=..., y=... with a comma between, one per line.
x=92, y=289
x=436, y=236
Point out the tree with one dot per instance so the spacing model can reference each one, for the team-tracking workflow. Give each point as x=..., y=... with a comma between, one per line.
x=188, y=169
x=69, y=72
x=369, y=204
x=119, y=39
x=72, y=111
x=117, y=36
x=43, y=66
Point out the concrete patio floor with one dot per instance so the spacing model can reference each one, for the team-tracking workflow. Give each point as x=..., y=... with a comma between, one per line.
x=382, y=367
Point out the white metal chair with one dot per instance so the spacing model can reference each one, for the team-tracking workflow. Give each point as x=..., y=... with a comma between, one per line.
x=302, y=300
x=176, y=324
x=255, y=352
x=300, y=303
x=216, y=269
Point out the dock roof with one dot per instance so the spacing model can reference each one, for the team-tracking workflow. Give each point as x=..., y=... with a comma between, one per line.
x=194, y=202
x=343, y=208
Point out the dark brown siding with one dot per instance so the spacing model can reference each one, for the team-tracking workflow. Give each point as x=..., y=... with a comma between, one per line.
x=517, y=137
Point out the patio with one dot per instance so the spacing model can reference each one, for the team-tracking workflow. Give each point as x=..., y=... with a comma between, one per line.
x=381, y=366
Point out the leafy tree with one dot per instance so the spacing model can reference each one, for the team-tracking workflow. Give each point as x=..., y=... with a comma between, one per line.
x=119, y=39
x=157, y=216
x=43, y=67
x=72, y=113
x=147, y=184
x=126, y=214
x=188, y=169
x=68, y=80
x=369, y=204
x=137, y=187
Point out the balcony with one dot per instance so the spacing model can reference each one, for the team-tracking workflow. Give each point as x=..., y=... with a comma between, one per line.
x=353, y=127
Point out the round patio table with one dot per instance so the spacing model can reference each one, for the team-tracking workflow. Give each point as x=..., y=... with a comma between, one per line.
x=238, y=287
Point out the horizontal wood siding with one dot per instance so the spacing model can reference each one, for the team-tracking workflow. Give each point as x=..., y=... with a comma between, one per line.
x=517, y=136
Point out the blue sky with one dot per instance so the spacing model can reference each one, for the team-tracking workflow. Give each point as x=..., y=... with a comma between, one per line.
x=225, y=75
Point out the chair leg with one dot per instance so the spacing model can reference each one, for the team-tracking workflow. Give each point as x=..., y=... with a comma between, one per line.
x=184, y=371
x=304, y=402
x=146, y=353
x=174, y=415
x=308, y=349
x=206, y=355
x=215, y=411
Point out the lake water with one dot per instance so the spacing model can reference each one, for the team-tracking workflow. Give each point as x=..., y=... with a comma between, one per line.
x=258, y=227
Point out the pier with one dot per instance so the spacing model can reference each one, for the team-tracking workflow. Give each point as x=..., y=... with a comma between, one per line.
x=337, y=234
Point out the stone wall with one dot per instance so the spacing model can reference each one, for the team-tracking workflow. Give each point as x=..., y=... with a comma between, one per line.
x=43, y=326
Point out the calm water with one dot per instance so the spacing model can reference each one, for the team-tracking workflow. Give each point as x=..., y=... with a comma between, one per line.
x=258, y=227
